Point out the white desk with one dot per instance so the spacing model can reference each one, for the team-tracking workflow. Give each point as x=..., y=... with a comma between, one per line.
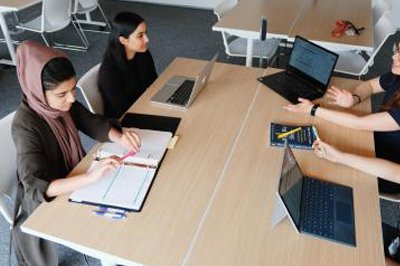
x=11, y=6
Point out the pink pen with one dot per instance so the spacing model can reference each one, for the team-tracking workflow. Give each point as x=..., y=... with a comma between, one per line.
x=130, y=153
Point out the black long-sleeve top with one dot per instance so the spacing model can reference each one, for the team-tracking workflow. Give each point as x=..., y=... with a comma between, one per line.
x=121, y=84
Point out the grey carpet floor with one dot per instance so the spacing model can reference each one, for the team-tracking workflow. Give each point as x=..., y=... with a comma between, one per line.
x=173, y=32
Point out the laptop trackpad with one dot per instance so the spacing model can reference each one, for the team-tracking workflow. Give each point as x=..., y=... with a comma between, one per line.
x=344, y=222
x=343, y=212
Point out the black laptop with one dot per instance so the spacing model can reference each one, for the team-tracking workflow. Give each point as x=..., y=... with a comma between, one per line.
x=316, y=207
x=307, y=74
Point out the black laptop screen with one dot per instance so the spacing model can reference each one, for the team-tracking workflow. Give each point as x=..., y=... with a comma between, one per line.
x=313, y=60
x=290, y=186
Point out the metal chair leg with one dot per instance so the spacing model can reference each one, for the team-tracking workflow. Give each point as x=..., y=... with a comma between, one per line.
x=44, y=39
x=82, y=33
x=104, y=16
x=73, y=47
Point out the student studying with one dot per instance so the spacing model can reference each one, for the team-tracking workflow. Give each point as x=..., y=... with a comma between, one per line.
x=128, y=67
x=45, y=132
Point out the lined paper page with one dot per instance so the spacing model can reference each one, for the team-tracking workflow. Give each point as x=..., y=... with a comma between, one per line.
x=124, y=187
x=153, y=145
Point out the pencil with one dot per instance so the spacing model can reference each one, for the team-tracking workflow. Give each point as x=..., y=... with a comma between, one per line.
x=284, y=134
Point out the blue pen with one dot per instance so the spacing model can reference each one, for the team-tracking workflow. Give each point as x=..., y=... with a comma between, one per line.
x=113, y=210
x=112, y=215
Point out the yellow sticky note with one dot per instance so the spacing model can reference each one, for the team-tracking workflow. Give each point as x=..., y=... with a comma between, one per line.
x=172, y=142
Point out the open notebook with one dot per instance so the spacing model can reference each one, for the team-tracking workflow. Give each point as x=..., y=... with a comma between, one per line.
x=127, y=186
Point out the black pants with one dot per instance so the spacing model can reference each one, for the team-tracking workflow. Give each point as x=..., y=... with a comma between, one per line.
x=385, y=149
x=388, y=186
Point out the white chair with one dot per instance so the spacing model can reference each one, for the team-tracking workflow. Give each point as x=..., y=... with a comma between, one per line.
x=55, y=16
x=8, y=172
x=393, y=197
x=90, y=91
x=353, y=63
x=379, y=8
x=236, y=46
x=394, y=5
x=85, y=7
x=394, y=12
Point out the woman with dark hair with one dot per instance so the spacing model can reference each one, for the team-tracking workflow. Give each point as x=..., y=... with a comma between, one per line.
x=385, y=123
x=45, y=133
x=128, y=67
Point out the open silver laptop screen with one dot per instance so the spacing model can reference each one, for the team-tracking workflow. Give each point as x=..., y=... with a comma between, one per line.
x=290, y=186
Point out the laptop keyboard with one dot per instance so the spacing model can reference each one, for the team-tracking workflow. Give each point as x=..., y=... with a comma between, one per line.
x=182, y=94
x=318, y=209
x=297, y=87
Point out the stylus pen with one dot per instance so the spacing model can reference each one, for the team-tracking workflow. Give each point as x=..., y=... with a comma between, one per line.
x=314, y=129
x=282, y=135
x=112, y=215
x=130, y=153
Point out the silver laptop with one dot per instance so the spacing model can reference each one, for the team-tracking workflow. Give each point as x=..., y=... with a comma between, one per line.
x=181, y=91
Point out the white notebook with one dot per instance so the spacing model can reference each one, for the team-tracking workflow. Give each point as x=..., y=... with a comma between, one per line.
x=127, y=186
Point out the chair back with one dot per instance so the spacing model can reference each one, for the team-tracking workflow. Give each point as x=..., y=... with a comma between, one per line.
x=382, y=30
x=224, y=7
x=220, y=11
x=90, y=91
x=393, y=197
x=82, y=6
x=379, y=8
x=56, y=15
x=8, y=168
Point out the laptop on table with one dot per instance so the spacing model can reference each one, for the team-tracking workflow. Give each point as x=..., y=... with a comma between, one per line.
x=181, y=91
x=319, y=208
x=307, y=74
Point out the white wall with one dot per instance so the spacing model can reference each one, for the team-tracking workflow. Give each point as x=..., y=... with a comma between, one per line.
x=203, y=4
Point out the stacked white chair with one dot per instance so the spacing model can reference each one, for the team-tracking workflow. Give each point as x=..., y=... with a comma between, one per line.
x=236, y=46
x=85, y=7
x=55, y=16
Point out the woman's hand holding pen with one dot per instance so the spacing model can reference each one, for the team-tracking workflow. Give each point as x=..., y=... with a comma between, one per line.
x=304, y=106
x=340, y=97
x=103, y=166
x=326, y=151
